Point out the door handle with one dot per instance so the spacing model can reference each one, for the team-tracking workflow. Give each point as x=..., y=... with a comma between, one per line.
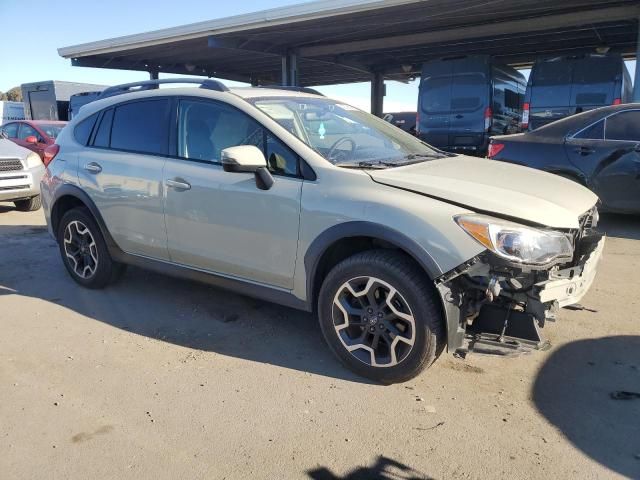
x=93, y=167
x=178, y=184
x=459, y=116
x=584, y=150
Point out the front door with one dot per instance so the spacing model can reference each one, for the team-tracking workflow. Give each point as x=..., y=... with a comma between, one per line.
x=220, y=221
x=121, y=170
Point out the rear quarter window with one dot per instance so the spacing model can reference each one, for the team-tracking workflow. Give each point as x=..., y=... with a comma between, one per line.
x=624, y=126
x=83, y=130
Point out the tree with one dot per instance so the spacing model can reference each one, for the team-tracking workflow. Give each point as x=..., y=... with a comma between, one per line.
x=13, y=95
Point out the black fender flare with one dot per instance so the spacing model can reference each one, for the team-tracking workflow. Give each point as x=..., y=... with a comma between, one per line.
x=322, y=242
x=69, y=190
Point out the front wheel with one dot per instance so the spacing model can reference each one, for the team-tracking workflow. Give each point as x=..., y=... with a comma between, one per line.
x=29, y=205
x=380, y=316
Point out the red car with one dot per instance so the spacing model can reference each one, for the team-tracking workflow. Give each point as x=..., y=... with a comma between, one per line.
x=35, y=135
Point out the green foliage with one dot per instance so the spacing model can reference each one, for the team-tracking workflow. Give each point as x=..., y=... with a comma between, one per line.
x=13, y=95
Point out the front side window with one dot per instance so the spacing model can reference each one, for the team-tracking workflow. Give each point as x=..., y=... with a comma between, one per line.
x=624, y=126
x=343, y=134
x=207, y=128
x=11, y=129
x=141, y=127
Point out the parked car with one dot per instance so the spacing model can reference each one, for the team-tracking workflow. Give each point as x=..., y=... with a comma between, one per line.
x=49, y=100
x=308, y=202
x=20, y=173
x=599, y=149
x=33, y=134
x=563, y=86
x=404, y=120
x=463, y=101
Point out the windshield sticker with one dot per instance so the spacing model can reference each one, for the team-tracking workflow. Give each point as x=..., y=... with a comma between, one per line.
x=349, y=108
x=322, y=131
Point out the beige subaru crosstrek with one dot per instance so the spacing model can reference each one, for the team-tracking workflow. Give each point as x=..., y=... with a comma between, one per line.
x=282, y=194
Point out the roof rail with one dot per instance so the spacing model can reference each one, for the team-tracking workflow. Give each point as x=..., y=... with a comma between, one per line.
x=209, y=84
x=312, y=91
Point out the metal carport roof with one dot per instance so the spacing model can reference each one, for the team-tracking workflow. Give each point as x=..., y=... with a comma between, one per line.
x=333, y=41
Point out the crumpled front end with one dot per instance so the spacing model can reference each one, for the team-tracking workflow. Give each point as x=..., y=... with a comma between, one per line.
x=493, y=306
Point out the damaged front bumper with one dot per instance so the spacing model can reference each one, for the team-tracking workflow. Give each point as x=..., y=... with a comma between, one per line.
x=492, y=308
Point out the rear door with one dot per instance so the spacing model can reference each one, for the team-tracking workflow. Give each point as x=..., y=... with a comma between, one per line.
x=594, y=82
x=121, y=170
x=435, y=105
x=550, y=91
x=43, y=105
x=608, y=153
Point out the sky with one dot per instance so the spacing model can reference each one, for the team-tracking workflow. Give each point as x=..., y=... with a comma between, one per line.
x=46, y=26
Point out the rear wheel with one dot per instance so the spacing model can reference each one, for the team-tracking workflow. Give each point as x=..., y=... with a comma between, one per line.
x=378, y=313
x=84, y=251
x=29, y=205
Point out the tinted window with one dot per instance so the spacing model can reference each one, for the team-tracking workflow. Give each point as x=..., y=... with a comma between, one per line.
x=624, y=126
x=82, y=132
x=27, y=131
x=594, y=132
x=141, y=127
x=436, y=94
x=551, y=83
x=103, y=134
x=51, y=130
x=11, y=130
x=205, y=129
x=469, y=92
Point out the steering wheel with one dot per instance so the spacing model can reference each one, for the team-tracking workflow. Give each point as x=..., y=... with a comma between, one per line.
x=334, y=155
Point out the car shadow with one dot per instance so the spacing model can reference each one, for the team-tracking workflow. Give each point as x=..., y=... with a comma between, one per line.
x=184, y=313
x=574, y=391
x=5, y=207
x=620, y=226
x=382, y=469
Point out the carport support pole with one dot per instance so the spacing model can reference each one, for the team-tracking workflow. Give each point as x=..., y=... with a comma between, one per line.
x=636, y=81
x=289, y=76
x=377, y=94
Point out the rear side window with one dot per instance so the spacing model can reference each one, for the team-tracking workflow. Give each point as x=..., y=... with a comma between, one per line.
x=624, y=126
x=594, y=132
x=141, y=127
x=103, y=133
x=82, y=132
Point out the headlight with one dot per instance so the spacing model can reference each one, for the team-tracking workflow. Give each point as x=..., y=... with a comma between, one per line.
x=33, y=160
x=515, y=242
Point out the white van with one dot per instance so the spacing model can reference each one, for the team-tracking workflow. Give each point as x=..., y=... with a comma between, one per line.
x=11, y=111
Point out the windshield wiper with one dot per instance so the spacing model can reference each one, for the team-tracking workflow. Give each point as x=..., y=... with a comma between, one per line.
x=362, y=164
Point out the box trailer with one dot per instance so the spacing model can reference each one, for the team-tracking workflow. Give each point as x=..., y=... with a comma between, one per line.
x=49, y=100
x=11, y=111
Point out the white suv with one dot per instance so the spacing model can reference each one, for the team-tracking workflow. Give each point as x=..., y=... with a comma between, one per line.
x=20, y=173
x=401, y=249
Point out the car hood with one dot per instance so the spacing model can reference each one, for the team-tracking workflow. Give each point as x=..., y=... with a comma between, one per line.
x=489, y=186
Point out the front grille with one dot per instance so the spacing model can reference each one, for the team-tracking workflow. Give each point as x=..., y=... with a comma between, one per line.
x=14, y=187
x=10, y=165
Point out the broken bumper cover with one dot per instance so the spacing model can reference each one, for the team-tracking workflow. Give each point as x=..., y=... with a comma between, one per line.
x=568, y=286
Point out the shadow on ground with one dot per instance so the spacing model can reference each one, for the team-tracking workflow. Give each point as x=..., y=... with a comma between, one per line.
x=382, y=469
x=573, y=391
x=620, y=226
x=184, y=313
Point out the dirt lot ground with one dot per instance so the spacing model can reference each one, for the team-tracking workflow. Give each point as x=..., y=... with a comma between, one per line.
x=159, y=378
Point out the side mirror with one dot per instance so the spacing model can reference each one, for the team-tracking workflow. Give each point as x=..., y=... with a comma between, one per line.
x=32, y=139
x=248, y=159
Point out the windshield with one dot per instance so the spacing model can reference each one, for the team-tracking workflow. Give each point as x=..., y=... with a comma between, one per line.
x=343, y=134
x=52, y=130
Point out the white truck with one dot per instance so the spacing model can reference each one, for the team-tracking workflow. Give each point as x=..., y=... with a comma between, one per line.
x=11, y=111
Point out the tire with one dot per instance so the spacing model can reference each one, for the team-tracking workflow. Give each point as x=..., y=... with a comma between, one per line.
x=421, y=321
x=76, y=227
x=29, y=205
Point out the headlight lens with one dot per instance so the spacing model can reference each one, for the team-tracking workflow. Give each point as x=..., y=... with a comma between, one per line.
x=517, y=243
x=33, y=160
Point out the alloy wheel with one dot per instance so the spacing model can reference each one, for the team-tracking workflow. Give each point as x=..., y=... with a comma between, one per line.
x=80, y=249
x=373, y=321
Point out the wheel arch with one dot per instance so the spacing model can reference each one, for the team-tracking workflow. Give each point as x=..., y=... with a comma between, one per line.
x=346, y=239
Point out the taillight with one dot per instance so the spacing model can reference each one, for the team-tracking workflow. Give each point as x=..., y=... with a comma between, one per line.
x=488, y=116
x=495, y=149
x=525, y=115
x=617, y=101
x=50, y=153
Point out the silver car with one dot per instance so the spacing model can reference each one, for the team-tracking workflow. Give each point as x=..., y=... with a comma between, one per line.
x=400, y=249
x=21, y=171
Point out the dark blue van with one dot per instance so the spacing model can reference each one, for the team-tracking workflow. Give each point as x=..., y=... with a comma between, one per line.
x=463, y=101
x=563, y=86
